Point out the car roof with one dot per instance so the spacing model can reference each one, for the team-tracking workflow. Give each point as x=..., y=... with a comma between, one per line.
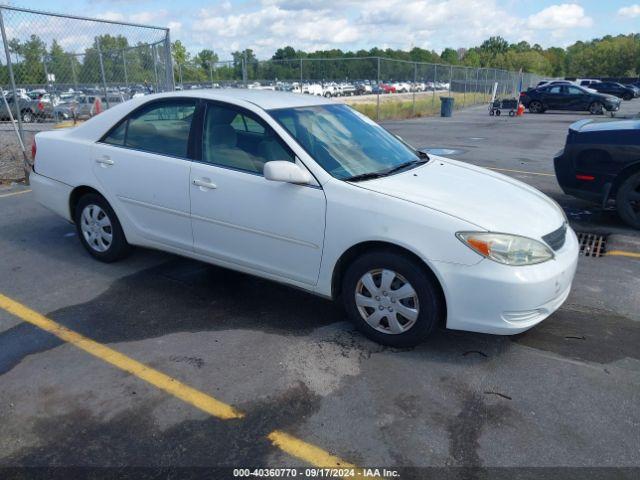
x=265, y=99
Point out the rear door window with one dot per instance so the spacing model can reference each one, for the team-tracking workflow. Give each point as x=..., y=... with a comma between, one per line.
x=162, y=127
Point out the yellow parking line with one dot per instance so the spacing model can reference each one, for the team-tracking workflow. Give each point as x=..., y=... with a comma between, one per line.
x=19, y=192
x=305, y=451
x=158, y=379
x=293, y=446
x=622, y=253
x=520, y=171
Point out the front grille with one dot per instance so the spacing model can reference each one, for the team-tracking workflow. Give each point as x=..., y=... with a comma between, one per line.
x=556, y=238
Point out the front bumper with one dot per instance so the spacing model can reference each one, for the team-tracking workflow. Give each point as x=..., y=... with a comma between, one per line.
x=612, y=106
x=493, y=298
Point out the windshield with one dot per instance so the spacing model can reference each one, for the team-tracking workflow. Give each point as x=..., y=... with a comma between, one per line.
x=344, y=142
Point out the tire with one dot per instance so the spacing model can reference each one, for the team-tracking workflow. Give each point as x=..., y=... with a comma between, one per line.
x=596, y=108
x=377, y=313
x=627, y=96
x=628, y=200
x=536, y=107
x=498, y=113
x=104, y=240
x=27, y=116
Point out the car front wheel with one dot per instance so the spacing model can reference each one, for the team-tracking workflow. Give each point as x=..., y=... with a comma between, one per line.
x=536, y=107
x=628, y=200
x=596, y=108
x=99, y=229
x=391, y=298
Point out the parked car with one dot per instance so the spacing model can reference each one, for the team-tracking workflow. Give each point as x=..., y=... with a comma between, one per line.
x=283, y=186
x=347, y=89
x=587, y=82
x=402, y=87
x=83, y=106
x=30, y=110
x=614, y=88
x=635, y=88
x=601, y=162
x=363, y=89
x=568, y=97
x=386, y=88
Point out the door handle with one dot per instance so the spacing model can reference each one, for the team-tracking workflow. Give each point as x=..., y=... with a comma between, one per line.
x=198, y=182
x=104, y=161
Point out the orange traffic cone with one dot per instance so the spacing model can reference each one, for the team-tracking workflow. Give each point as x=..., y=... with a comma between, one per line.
x=520, y=111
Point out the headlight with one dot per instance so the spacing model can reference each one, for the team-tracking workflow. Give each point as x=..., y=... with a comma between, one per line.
x=505, y=248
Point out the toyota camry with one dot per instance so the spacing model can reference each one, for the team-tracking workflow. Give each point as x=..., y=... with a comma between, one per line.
x=310, y=193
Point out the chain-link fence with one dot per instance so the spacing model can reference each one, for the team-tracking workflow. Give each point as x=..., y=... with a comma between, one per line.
x=379, y=87
x=56, y=67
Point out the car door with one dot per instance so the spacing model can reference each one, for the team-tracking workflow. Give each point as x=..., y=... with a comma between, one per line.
x=556, y=98
x=142, y=164
x=577, y=98
x=237, y=215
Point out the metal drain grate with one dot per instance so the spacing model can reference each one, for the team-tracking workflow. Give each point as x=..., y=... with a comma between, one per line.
x=592, y=244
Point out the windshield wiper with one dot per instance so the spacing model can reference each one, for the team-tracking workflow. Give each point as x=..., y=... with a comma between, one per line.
x=405, y=166
x=365, y=176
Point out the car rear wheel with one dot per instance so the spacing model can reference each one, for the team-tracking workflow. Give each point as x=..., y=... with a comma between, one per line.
x=536, y=107
x=628, y=200
x=596, y=108
x=99, y=229
x=627, y=96
x=391, y=298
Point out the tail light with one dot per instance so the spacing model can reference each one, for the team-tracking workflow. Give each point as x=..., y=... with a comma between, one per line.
x=587, y=178
x=34, y=149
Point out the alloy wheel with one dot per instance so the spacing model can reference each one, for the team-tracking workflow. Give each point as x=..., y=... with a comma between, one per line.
x=96, y=228
x=535, y=107
x=387, y=301
x=596, y=108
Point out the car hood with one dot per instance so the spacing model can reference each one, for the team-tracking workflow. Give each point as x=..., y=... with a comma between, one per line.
x=608, y=97
x=487, y=199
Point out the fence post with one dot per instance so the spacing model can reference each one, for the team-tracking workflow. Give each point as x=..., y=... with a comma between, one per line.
x=300, y=74
x=211, y=73
x=415, y=80
x=168, y=60
x=12, y=79
x=46, y=72
x=124, y=66
x=464, y=94
x=73, y=71
x=495, y=79
x=244, y=68
x=155, y=67
x=378, y=94
x=475, y=90
x=435, y=81
x=104, y=80
x=450, y=78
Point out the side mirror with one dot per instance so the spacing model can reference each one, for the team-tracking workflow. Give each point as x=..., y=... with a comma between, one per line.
x=283, y=171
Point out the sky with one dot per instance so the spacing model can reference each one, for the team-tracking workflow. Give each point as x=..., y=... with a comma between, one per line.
x=265, y=25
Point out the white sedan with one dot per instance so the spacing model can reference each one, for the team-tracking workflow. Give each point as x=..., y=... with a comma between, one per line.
x=310, y=193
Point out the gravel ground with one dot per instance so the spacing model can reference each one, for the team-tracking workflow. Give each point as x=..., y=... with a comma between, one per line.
x=11, y=159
